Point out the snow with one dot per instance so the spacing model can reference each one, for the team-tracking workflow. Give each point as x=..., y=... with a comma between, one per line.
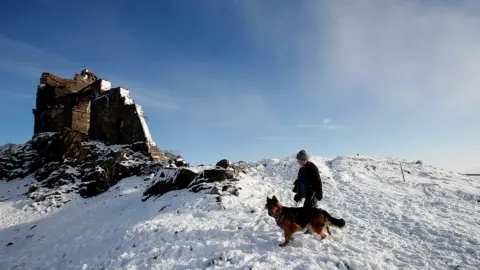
x=125, y=93
x=430, y=221
x=105, y=85
x=148, y=136
x=166, y=175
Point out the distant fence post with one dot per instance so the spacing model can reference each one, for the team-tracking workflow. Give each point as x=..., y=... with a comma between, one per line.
x=403, y=175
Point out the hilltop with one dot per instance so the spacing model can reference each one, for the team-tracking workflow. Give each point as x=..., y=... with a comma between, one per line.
x=430, y=221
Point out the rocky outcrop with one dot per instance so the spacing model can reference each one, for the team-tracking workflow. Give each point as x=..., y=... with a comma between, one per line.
x=224, y=163
x=214, y=181
x=66, y=158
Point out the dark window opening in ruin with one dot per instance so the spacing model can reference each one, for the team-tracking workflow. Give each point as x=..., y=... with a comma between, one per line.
x=119, y=123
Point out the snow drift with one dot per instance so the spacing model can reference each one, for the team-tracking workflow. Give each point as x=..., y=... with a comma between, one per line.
x=428, y=221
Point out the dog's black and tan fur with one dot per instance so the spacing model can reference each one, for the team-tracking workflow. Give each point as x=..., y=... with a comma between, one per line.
x=294, y=219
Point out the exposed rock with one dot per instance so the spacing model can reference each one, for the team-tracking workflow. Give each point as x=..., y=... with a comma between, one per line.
x=215, y=181
x=213, y=175
x=215, y=191
x=180, y=162
x=57, y=146
x=224, y=163
x=67, y=159
x=169, y=179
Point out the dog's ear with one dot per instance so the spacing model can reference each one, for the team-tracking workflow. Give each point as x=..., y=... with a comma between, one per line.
x=268, y=199
x=274, y=199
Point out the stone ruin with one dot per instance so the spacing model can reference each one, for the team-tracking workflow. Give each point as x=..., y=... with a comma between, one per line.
x=89, y=136
x=89, y=105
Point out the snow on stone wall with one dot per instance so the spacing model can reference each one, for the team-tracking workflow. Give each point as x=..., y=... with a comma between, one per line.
x=105, y=85
x=148, y=136
x=125, y=93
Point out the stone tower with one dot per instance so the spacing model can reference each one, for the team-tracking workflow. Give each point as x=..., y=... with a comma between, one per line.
x=89, y=105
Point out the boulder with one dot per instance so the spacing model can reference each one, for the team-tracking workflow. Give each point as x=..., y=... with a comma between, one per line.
x=224, y=163
x=213, y=180
x=168, y=179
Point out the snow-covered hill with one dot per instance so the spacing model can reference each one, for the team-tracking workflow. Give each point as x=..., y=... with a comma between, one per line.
x=430, y=221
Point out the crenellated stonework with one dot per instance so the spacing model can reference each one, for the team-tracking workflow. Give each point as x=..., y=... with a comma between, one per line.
x=89, y=105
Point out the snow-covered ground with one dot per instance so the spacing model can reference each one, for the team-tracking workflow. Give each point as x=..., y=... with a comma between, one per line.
x=430, y=221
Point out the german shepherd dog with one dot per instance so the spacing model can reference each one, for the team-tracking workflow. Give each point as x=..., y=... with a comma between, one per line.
x=294, y=219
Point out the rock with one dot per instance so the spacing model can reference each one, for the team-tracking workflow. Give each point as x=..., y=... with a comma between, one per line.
x=180, y=162
x=215, y=191
x=68, y=158
x=224, y=163
x=231, y=189
x=214, y=175
x=235, y=192
x=64, y=143
x=169, y=179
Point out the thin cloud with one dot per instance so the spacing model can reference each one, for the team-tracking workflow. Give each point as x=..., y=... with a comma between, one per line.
x=308, y=126
x=403, y=55
x=286, y=138
x=332, y=127
x=321, y=126
x=23, y=69
x=241, y=109
x=27, y=60
x=223, y=105
x=18, y=96
x=326, y=125
x=153, y=99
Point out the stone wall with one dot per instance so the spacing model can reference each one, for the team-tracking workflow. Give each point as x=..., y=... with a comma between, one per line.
x=90, y=106
x=57, y=104
x=81, y=117
x=54, y=90
x=52, y=119
x=116, y=119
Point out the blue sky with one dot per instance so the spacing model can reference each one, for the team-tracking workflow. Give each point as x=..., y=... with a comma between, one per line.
x=251, y=79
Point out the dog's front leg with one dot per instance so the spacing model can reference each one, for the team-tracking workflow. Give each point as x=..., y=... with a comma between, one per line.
x=288, y=235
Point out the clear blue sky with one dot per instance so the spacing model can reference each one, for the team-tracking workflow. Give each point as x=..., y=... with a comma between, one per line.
x=251, y=79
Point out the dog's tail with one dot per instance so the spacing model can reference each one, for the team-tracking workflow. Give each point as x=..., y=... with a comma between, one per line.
x=337, y=222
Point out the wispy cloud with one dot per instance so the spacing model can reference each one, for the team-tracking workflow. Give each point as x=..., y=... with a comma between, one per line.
x=20, y=68
x=24, y=59
x=286, y=138
x=402, y=54
x=226, y=104
x=18, y=96
x=240, y=109
x=154, y=99
x=321, y=126
x=406, y=54
x=326, y=125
